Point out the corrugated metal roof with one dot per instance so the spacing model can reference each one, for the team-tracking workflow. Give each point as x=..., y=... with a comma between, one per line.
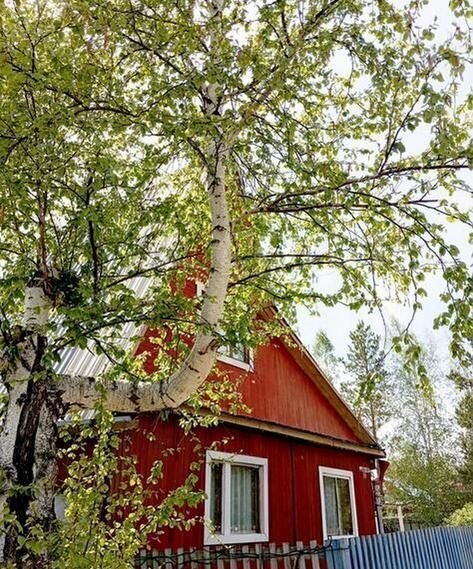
x=84, y=361
x=87, y=416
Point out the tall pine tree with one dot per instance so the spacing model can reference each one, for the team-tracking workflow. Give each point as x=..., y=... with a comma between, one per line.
x=368, y=389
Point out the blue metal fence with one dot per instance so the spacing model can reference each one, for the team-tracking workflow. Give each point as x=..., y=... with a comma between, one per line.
x=433, y=548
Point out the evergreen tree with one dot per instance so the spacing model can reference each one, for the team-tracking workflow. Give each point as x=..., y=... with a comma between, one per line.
x=369, y=387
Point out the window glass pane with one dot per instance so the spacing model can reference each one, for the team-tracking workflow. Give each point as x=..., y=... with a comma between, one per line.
x=245, y=499
x=60, y=507
x=237, y=352
x=216, y=488
x=331, y=509
x=346, y=518
x=338, y=508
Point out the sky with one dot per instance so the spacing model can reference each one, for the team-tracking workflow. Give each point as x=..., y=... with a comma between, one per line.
x=338, y=321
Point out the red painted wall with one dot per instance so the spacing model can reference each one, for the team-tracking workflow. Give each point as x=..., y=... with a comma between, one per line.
x=294, y=494
x=279, y=391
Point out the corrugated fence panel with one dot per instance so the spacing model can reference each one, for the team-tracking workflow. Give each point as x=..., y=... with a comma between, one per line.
x=434, y=548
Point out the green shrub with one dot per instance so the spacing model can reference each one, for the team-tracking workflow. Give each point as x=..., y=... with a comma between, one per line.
x=462, y=516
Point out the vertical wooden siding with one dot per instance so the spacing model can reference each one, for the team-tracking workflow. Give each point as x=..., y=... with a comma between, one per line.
x=294, y=493
x=280, y=391
x=277, y=390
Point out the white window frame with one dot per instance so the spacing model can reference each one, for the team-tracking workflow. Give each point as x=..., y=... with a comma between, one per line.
x=246, y=366
x=226, y=537
x=344, y=475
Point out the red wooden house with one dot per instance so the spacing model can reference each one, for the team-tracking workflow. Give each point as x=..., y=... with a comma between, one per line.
x=298, y=467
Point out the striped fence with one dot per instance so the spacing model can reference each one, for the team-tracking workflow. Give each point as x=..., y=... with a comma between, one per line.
x=254, y=556
x=433, y=548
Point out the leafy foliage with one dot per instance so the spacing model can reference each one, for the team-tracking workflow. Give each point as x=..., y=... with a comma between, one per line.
x=102, y=139
x=321, y=105
x=462, y=516
x=111, y=509
x=464, y=416
x=426, y=486
x=324, y=352
x=423, y=475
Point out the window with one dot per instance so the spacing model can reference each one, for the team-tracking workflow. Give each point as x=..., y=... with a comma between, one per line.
x=338, y=503
x=60, y=506
x=237, y=356
x=236, y=509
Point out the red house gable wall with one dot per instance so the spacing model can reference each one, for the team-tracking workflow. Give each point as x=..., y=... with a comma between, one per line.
x=279, y=391
x=284, y=389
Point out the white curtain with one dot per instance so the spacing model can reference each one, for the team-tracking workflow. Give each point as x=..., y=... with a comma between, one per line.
x=331, y=506
x=245, y=499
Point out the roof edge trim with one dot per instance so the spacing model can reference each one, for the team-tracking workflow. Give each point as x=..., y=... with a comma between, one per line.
x=278, y=429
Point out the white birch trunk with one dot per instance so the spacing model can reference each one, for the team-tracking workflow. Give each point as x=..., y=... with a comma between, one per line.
x=18, y=376
x=124, y=396
x=16, y=394
x=38, y=403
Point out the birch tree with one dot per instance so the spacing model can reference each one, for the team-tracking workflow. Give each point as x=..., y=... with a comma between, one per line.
x=325, y=355
x=424, y=446
x=256, y=142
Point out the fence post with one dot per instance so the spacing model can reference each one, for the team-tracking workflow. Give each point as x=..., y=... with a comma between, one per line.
x=338, y=555
x=400, y=517
x=286, y=561
x=300, y=547
x=314, y=556
x=274, y=561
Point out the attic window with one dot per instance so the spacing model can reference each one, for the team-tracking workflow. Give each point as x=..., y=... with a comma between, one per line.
x=338, y=503
x=237, y=356
x=236, y=509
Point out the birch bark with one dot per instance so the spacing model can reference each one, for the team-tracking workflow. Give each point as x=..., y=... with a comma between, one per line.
x=29, y=434
x=27, y=438
x=124, y=396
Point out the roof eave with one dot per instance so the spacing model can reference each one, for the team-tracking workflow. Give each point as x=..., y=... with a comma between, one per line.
x=308, y=364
